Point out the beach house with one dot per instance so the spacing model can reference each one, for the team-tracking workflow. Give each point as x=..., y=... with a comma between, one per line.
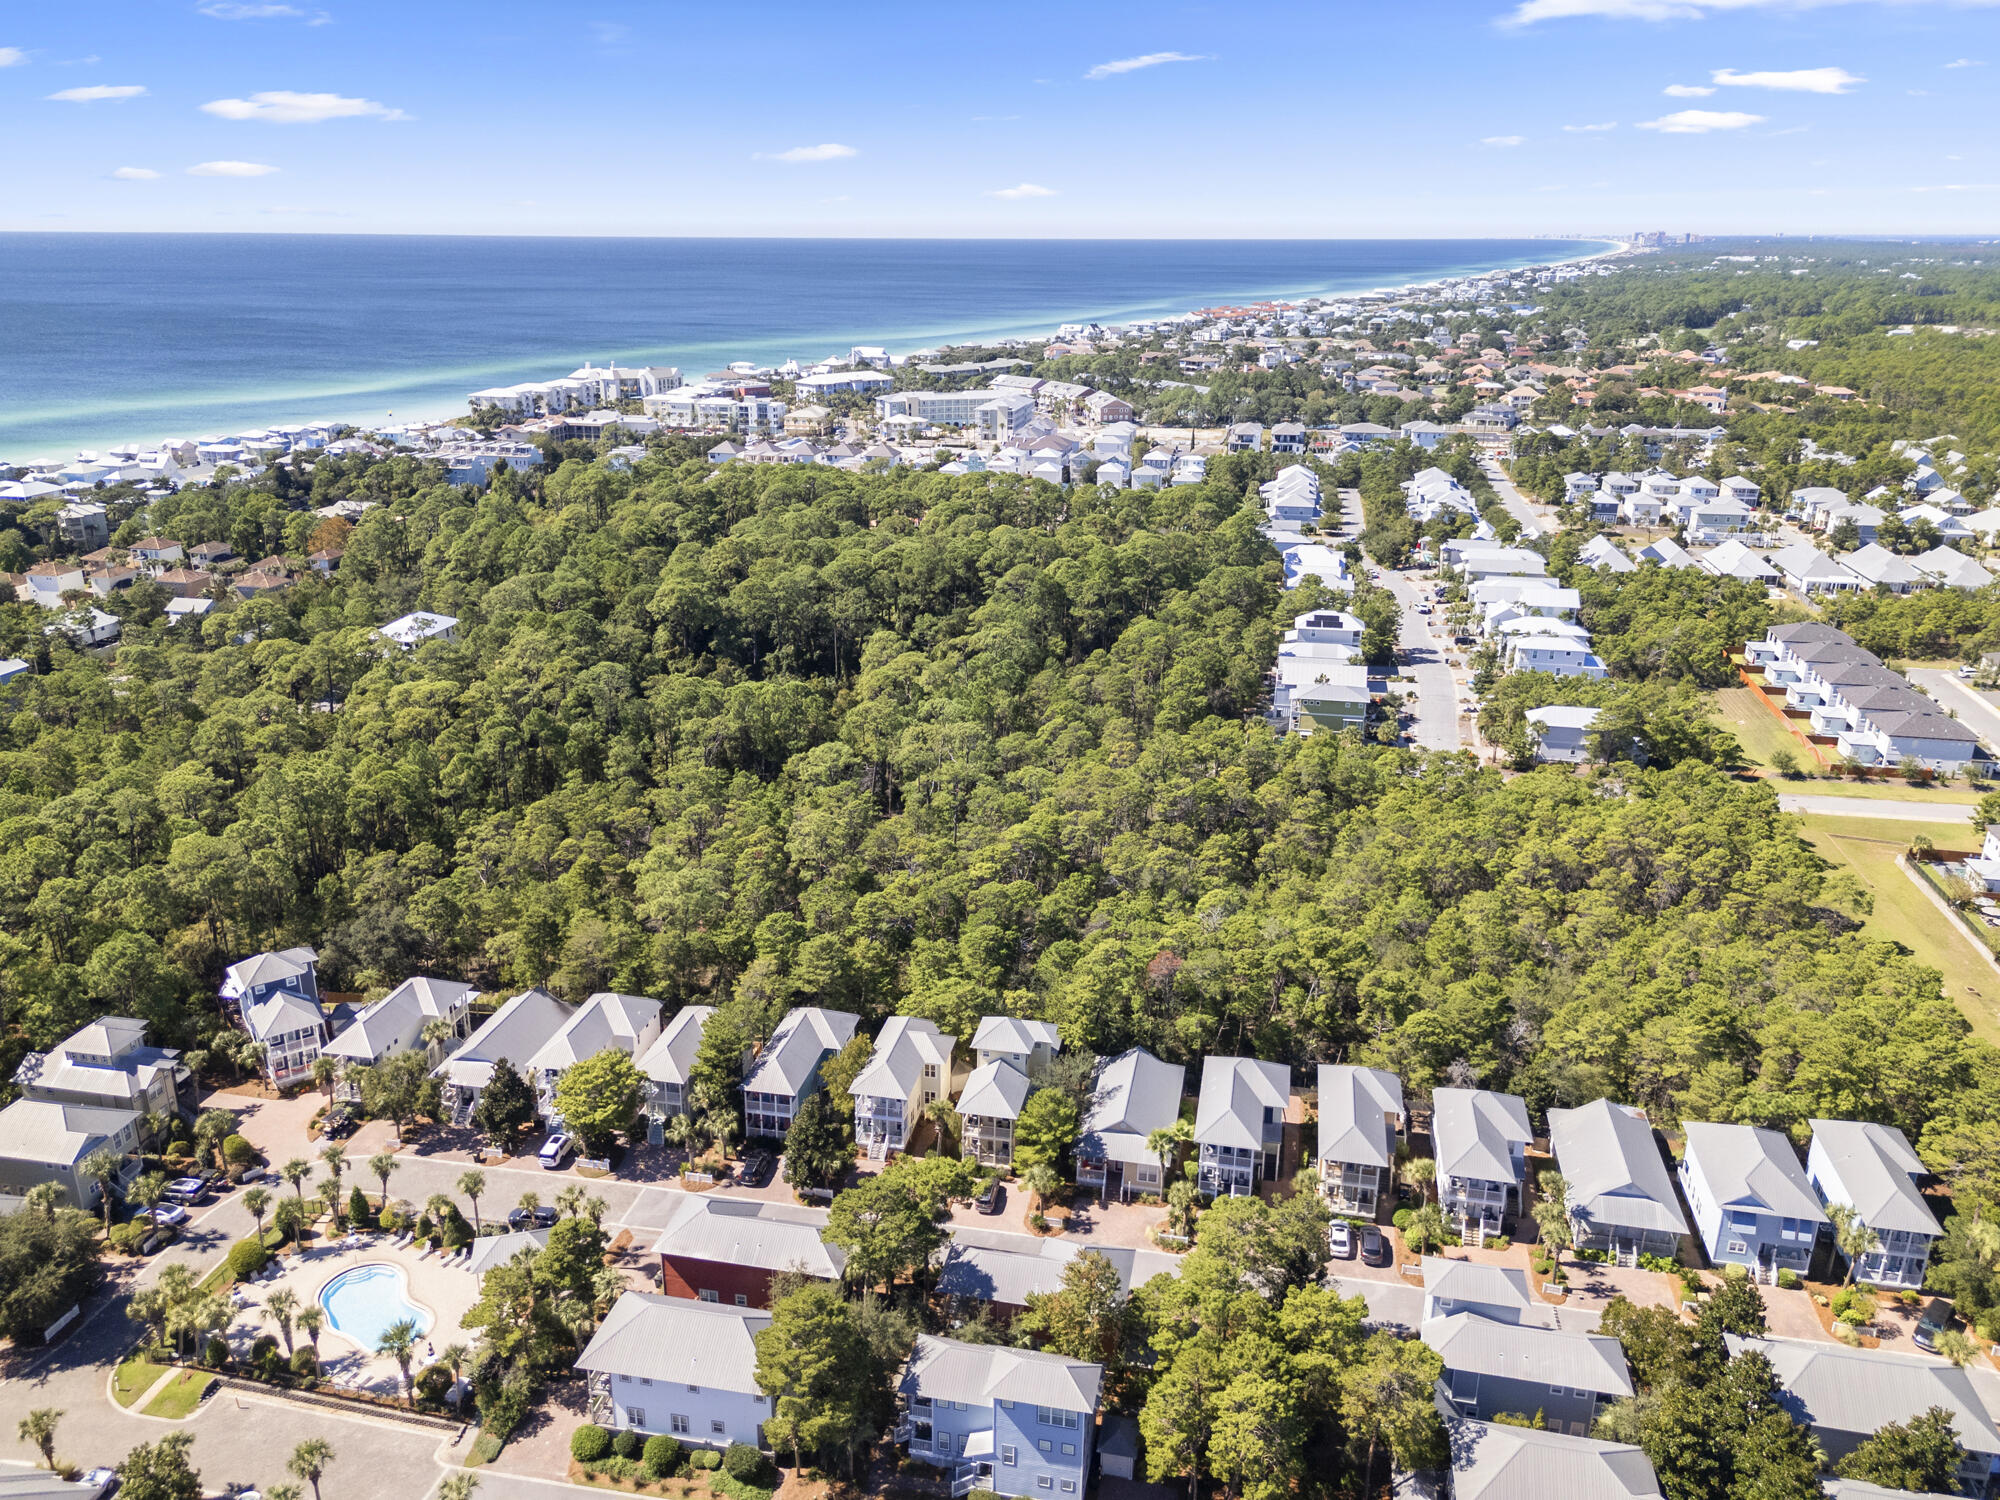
x=1617, y=1189
x=605, y=1022
x=987, y=1109
x=1025, y=1044
x=1012, y=1421
x=1871, y=1169
x=788, y=1067
x=512, y=1034
x=1133, y=1095
x=1239, y=1123
x=669, y=1064
x=1493, y=1369
x=1752, y=1204
x=1361, y=1120
x=687, y=1369
x=397, y=1022
x=728, y=1250
x=1480, y=1140
x=909, y=1069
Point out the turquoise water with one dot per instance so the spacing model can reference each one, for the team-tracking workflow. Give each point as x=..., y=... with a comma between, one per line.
x=363, y=1302
x=106, y=337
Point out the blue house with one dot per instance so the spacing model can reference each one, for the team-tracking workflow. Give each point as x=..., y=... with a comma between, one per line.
x=263, y=976
x=1014, y=1421
x=1752, y=1204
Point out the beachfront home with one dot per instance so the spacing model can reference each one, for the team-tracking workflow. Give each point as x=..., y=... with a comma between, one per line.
x=909, y=1068
x=669, y=1064
x=1753, y=1206
x=685, y=1369
x=1133, y=1095
x=1239, y=1123
x=1012, y=1421
x=1871, y=1169
x=728, y=1250
x=1028, y=1045
x=1480, y=1139
x=1618, y=1191
x=788, y=1067
x=1361, y=1120
x=605, y=1022
x=397, y=1022
x=291, y=1029
x=987, y=1109
x=292, y=970
x=512, y=1034
x=1493, y=1369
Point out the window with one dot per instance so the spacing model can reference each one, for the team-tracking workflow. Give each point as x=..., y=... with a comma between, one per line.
x=695, y=1390
x=1556, y=1390
x=1048, y=1416
x=922, y=1403
x=741, y=1300
x=1044, y=1482
x=1737, y=1247
x=1045, y=1445
x=710, y=1296
x=678, y=1422
x=1009, y=1454
x=1069, y=1450
x=1069, y=1486
x=715, y=1427
x=644, y=1380
x=636, y=1415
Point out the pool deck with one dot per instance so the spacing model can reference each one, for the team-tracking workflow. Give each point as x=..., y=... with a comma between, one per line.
x=443, y=1291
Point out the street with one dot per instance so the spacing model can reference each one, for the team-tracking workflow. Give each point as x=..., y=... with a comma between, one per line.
x=1875, y=807
x=1436, y=723
x=1963, y=701
x=1532, y=514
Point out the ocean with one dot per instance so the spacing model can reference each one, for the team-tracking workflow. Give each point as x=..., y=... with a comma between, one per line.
x=137, y=337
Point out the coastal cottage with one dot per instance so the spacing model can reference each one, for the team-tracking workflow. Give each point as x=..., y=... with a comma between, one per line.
x=605, y=1022
x=1361, y=1120
x=1619, y=1195
x=908, y=1070
x=685, y=1369
x=1871, y=1169
x=1480, y=1139
x=1239, y=1123
x=729, y=1250
x=1490, y=1369
x=788, y=1067
x=513, y=1034
x=1133, y=1095
x=397, y=1022
x=1028, y=1045
x=1506, y=1462
x=1753, y=1206
x=669, y=1065
x=1013, y=1421
x=987, y=1109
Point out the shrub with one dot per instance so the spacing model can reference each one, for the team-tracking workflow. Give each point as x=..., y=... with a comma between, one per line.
x=589, y=1443
x=129, y=1237
x=1498, y=1242
x=1789, y=1280
x=706, y=1459
x=237, y=1151
x=627, y=1443
x=424, y=1226
x=485, y=1448
x=303, y=1362
x=434, y=1382
x=744, y=1462
x=1543, y=1267
x=615, y=1468
x=983, y=1495
x=1401, y=1217
x=664, y=1456
x=358, y=1211
x=265, y=1346
x=247, y=1258
x=1847, y=1334
x=216, y=1353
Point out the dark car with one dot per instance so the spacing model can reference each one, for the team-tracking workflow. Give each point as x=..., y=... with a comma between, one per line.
x=1937, y=1316
x=338, y=1122
x=1374, y=1248
x=538, y=1218
x=992, y=1198
x=757, y=1167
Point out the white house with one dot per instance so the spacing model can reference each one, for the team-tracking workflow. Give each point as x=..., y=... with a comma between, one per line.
x=1361, y=1120
x=669, y=1063
x=396, y=1022
x=788, y=1067
x=1480, y=1140
x=1561, y=733
x=909, y=1068
x=413, y=630
x=1239, y=1122
x=677, y=1366
x=987, y=1109
x=1560, y=656
x=1871, y=1169
x=605, y=1022
x=514, y=1033
x=1028, y=1045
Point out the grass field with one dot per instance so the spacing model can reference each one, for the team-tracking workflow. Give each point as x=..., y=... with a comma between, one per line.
x=1756, y=728
x=1869, y=847
x=135, y=1378
x=181, y=1395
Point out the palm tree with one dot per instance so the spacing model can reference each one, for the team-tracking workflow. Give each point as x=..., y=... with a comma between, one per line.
x=296, y=1171
x=437, y=1031
x=146, y=1194
x=279, y=1307
x=569, y=1202
x=289, y=1218
x=311, y=1319
x=39, y=1427
x=399, y=1342
x=453, y=1486
x=1418, y=1174
x=1041, y=1180
x=309, y=1461
x=382, y=1163
x=325, y=1069
x=43, y=1198
x=213, y=1128
x=101, y=1167
x=453, y=1358
x=329, y=1192
x=258, y=1203
x=944, y=1115
x=336, y=1161
x=472, y=1184
x=596, y=1208
x=1853, y=1239
x=285, y=1492
x=721, y=1126
x=1551, y=1215
x=530, y=1201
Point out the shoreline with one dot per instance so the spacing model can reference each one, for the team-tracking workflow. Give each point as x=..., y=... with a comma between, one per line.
x=1019, y=328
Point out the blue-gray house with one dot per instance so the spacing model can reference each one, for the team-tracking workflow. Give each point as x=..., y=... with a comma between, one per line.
x=1752, y=1204
x=1014, y=1421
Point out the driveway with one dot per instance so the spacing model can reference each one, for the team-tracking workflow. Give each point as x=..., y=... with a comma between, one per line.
x=1876, y=807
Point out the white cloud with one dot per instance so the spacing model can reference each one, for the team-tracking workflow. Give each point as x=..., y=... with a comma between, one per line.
x=135, y=174
x=284, y=107
x=1023, y=190
x=1591, y=129
x=1527, y=12
x=1797, y=81
x=1502, y=140
x=96, y=91
x=1959, y=187
x=230, y=169
x=1964, y=62
x=1687, y=91
x=12, y=57
x=1701, y=121
x=828, y=152
x=223, y=10
x=1145, y=60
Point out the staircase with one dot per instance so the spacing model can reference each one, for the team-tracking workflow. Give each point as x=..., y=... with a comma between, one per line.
x=878, y=1149
x=1473, y=1234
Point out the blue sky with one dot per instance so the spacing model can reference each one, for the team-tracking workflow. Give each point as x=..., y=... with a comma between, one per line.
x=1442, y=117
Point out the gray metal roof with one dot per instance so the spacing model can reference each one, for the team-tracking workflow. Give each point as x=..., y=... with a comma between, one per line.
x=1831, y=1387
x=678, y=1339
x=1475, y=1282
x=902, y=1047
x=279, y=1012
x=1614, y=1169
x=39, y=1132
x=999, y=1266
x=396, y=1021
x=1878, y=1172
x=751, y=1232
x=1134, y=1095
x=1354, y=1109
x=995, y=1091
x=515, y=1032
x=1491, y=1462
x=671, y=1058
x=946, y=1370
x=1546, y=1356
x=1235, y=1092
x=605, y=1022
x=1859, y=1489
x=1012, y=1034
x=1748, y=1166
x=1472, y=1131
x=493, y=1250
x=803, y=1038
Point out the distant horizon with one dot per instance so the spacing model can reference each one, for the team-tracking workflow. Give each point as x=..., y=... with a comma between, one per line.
x=1551, y=236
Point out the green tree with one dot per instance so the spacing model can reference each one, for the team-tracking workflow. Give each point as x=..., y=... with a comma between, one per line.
x=1551, y=1215
x=309, y=1461
x=48, y=1262
x=818, y=1151
x=472, y=1184
x=1085, y=1318
x=383, y=1165
x=892, y=1224
x=600, y=1098
x=823, y=1381
x=1851, y=1237
x=297, y=1172
x=38, y=1428
x=257, y=1203
x=279, y=1307
x=160, y=1471
x=399, y=1342
x=394, y=1088
x=1386, y=1401
x=1922, y=1454
x=102, y=1167
x=506, y=1107
x=1046, y=1130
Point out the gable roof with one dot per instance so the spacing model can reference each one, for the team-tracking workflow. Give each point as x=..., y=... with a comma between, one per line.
x=1492, y=1462
x=38, y=1131
x=751, y=1232
x=604, y=1022
x=671, y=1058
x=1354, y=1109
x=1473, y=1131
x=1750, y=1166
x=995, y=1091
x=1613, y=1167
x=1475, y=1282
x=266, y=968
x=677, y=1339
x=946, y=1370
x=996, y=1266
x=1012, y=1034
x=1858, y=1391
x=1877, y=1172
x=493, y=1250
x=1235, y=1092
x=515, y=1032
x=397, y=1019
x=1544, y=1356
x=806, y=1035
x=279, y=1012
x=1133, y=1095
x=902, y=1048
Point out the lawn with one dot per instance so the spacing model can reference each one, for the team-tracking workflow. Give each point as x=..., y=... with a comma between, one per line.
x=182, y=1395
x=1756, y=728
x=1904, y=913
x=135, y=1378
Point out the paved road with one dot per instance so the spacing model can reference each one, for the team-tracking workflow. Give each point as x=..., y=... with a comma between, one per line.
x=1975, y=709
x=1876, y=807
x=1437, y=724
x=1530, y=513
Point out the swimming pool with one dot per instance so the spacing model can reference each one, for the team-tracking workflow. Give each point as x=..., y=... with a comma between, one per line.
x=363, y=1301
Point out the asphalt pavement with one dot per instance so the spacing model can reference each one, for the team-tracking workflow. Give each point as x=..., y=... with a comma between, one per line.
x=1876, y=807
x=1530, y=513
x=1976, y=710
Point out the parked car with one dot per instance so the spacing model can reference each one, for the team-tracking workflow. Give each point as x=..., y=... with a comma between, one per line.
x=1340, y=1239
x=1374, y=1248
x=339, y=1121
x=757, y=1168
x=555, y=1151
x=170, y=1216
x=541, y=1217
x=98, y=1484
x=187, y=1190
x=1937, y=1316
x=1966, y=673
x=992, y=1198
